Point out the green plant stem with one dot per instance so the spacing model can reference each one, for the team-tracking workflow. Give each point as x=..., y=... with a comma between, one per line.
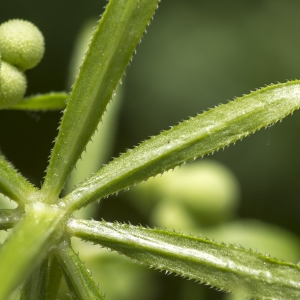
x=80, y=282
x=51, y=101
x=226, y=267
x=28, y=245
x=201, y=135
x=121, y=27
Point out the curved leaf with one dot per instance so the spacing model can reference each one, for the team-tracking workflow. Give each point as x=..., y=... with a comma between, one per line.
x=204, y=134
x=225, y=267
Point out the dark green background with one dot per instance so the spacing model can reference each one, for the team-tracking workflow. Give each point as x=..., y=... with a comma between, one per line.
x=195, y=55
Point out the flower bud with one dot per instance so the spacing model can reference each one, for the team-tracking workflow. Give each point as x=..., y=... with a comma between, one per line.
x=21, y=44
x=13, y=85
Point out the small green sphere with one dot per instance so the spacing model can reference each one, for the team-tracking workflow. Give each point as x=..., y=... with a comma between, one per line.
x=21, y=44
x=13, y=85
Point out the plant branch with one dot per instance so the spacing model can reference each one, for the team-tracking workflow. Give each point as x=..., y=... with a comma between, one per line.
x=51, y=101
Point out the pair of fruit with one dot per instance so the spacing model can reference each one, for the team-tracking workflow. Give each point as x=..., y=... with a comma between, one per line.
x=21, y=48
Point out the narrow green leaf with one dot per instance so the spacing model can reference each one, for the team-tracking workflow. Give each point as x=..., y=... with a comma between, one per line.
x=51, y=101
x=95, y=154
x=225, y=267
x=13, y=184
x=204, y=134
x=8, y=218
x=28, y=245
x=110, y=50
x=80, y=282
x=54, y=277
x=35, y=286
x=80, y=46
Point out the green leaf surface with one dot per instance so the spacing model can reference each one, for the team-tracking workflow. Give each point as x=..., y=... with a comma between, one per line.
x=80, y=282
x=51, y=101
x=201, y=135
x=13, y=184
x=95, y=154
x=226, y=267
x=28, y=245
x=35, y=286
x=54, y=277
x=111, y=48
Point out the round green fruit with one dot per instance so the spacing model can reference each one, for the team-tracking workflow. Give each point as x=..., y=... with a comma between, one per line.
x=21, y=44
x=12, y=85
x=207, y=190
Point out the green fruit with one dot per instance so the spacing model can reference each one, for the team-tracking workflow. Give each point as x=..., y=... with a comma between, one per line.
x=12, y=85
x=172, y=215
x=21, y=44
x=206, y=189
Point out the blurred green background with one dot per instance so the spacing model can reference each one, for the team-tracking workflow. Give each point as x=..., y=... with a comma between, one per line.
x=195, y=55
